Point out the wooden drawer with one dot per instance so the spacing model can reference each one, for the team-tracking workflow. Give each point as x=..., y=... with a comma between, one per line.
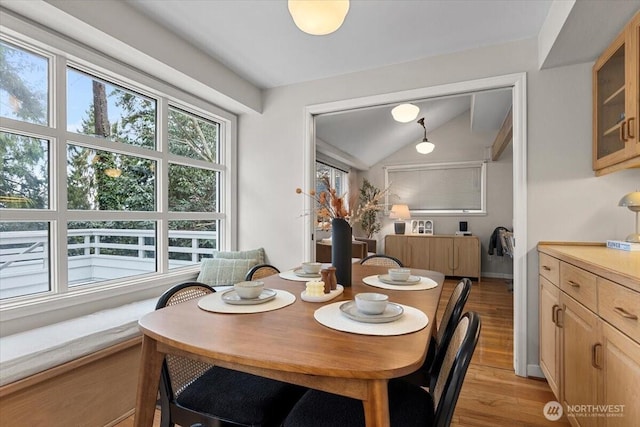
x=619, y=306
x=579, y=284
x=549, y=268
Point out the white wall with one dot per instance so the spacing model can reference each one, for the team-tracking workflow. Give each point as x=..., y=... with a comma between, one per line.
x=566, y=201
x=455, y=143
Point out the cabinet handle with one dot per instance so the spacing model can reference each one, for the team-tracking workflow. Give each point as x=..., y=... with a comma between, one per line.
x=630, y=128
x=559, y=320
x=544, y=267
x=574, y=284
x=622, y=127
x=554, y=314
x=594, y=356
x=624, y=313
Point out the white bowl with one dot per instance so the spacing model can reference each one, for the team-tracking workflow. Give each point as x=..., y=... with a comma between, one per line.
x=311, y=267
x=371, y=302
x=400, y=274
x=249, y=290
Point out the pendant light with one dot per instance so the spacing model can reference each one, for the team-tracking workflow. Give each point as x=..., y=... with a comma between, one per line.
x=405, y=113
x=318, y=17
x=424, y=147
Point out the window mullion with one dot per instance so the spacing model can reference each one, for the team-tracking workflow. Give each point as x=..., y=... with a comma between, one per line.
x=162, y=190
x=58, y=173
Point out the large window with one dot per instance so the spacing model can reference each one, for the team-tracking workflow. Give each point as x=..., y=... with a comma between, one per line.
x=104, y=179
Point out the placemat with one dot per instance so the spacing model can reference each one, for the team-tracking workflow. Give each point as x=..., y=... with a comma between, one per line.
x=425, y=283
x=412, y=320
x=213, y=302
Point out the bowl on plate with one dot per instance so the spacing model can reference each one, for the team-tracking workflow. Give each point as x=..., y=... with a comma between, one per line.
x=371, y=302
x=249, y=290
x=399, y=274
x=311, y=267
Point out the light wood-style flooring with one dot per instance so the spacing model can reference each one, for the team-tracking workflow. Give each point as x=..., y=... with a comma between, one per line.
x=492, y=395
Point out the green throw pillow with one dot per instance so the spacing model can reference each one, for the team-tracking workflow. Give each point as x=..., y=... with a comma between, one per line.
x=220, y=271
x=257, y=254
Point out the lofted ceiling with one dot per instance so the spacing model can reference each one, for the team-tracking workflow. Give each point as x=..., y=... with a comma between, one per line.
x=258, y=40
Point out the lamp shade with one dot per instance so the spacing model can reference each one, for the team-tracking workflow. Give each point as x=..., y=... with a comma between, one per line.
x=318, y=17
x=425, y=147
x=399, y=212
x=631, y=201
x=405, y=113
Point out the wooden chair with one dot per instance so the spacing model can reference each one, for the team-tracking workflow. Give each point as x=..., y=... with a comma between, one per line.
x=382, y=260
x=193, y=392
x=260, y=271
x=409, y=404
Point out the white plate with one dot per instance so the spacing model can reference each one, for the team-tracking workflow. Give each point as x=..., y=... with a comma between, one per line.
x=326, y=297
x=300, y=272
x=391, y=313
x=232, y=297
x=412, y=280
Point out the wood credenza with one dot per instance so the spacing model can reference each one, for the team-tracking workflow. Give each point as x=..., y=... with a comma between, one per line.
x=450, y=255
x=589, y=310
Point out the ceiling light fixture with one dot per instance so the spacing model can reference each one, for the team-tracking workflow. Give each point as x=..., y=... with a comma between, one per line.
x=424, y=147
x=405, y=113
x=318, y=17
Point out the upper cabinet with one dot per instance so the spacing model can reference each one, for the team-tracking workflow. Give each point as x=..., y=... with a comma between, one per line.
x=616, y=82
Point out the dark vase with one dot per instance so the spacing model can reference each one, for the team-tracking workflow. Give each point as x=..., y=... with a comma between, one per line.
x=341, y=250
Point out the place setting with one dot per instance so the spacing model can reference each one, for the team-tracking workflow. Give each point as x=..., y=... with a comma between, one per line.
x=400, y=279
x=371, y=313
x=246, y=297
x=308, y=271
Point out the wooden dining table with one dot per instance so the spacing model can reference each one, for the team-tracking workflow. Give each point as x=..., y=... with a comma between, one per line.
x=289, y=345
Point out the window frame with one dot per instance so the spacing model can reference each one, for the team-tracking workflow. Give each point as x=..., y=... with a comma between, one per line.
x=61, y=53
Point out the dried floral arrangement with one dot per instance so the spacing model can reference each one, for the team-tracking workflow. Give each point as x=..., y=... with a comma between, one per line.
x=331, y=205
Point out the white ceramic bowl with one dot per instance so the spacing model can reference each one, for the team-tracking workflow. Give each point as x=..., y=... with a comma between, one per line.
x=401, y=274
x=371, y=302
x=249, y=290
x=311, y=267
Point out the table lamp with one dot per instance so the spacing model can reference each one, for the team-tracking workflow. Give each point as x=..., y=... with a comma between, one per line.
x=632, y=201
x=400, y=212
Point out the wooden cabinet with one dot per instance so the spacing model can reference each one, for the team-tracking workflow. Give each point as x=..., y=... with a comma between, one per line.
x=450, y=255
x=590, y=332
x=550, y=333
x=616, y=80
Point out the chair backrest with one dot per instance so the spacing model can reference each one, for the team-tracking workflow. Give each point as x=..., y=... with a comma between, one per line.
x=456, y=361
x=178, y=372
x=449, y=321
x=260, y=271
x=382, y=260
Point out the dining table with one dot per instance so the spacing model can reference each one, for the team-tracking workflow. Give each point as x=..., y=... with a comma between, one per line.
x=289, y=344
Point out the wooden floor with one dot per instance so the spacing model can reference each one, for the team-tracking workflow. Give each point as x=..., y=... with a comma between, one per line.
x=492, y=395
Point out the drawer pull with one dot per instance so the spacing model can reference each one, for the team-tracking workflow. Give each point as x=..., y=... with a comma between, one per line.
x=594, y=356
x=574, y=284
x=624, y=313
x=544, y=267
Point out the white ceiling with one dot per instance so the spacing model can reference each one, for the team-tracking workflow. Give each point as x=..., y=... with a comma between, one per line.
x=258, y=40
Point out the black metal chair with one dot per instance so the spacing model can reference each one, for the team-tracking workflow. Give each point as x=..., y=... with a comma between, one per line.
x=426, y=375
x=381, y=260
x=409, y=405
x=260, y=271
x=193, y=392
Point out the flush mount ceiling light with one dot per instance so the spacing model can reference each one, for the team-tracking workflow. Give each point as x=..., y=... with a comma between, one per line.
x=424, y=147
x=405, y=113
x=318, y=17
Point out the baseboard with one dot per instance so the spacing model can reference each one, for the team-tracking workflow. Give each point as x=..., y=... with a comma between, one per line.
x=491, y=275
x=534, y=371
